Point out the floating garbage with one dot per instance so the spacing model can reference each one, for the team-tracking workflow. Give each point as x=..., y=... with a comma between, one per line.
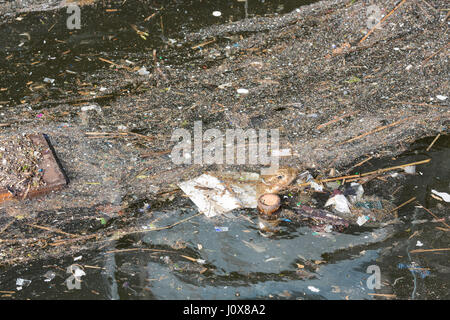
x=214, y=197
x=78, y=273
x=242, y=91
x=49, y=276
x=217, y=13
x=225, y=85
x=317, y=187
x=221, y=229
x=216, y=193
x=445, y=196
x=362, y=219
x=49, y=80
x=20, y=283
x=92, y=107
x=369, y=204
x=339, y=201
x=354, y=192
x=143, y=71
x=325, y=217
x=415, y=268
x=313, y=289
x=268, y=203
x=410, y=169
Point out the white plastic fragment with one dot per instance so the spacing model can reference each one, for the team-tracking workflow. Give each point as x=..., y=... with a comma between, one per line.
x=213, y=197
x=445, y=196
x=395, y=174
x=143, y=71
x=316, y=186
x=92, y=107
x=419, y=244
x=281, y=153
x=79, y=273
x=340, y=203
x=20, y=283
x=441, y=97
x=225, y=85
x=361, y=220
x=49, y=276
x=410, y=169
x=217, y=13
x=313, y=289
x=49, y=80
x=242, y=91
x=271, y=259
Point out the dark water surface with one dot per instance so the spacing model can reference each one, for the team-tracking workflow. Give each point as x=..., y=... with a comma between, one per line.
x=41, y=46
x=244, y=263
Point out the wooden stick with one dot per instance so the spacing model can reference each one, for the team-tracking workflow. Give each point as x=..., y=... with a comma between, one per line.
x=162, y=228
x=383, y=295
x=429, y=250
x=114, y=64
x=189, y=258
x=139, y=249
x=203, y=43
x=419, y=104
x=150, y=16
x=375, y=130
x=7, y=226
x=51, y=229
x=368, y=173
x=382, y=170
x=58, y=243
x=435, y=139
x=334, y=120
x=359, y=164
x=121, y=234
x=426, y=60
x=154, y=154
x=93, y=267
x=434, y=216
x=446, y=17
x=381, y=21
x=403, y=204
x=116, y=134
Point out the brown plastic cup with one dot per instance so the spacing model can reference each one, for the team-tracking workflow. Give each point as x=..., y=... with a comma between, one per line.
x=268, y=203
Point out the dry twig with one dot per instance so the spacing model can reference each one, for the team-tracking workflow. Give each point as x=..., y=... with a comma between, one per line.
x=381, y=21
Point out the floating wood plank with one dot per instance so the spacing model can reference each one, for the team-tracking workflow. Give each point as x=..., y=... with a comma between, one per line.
x=53, y=173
